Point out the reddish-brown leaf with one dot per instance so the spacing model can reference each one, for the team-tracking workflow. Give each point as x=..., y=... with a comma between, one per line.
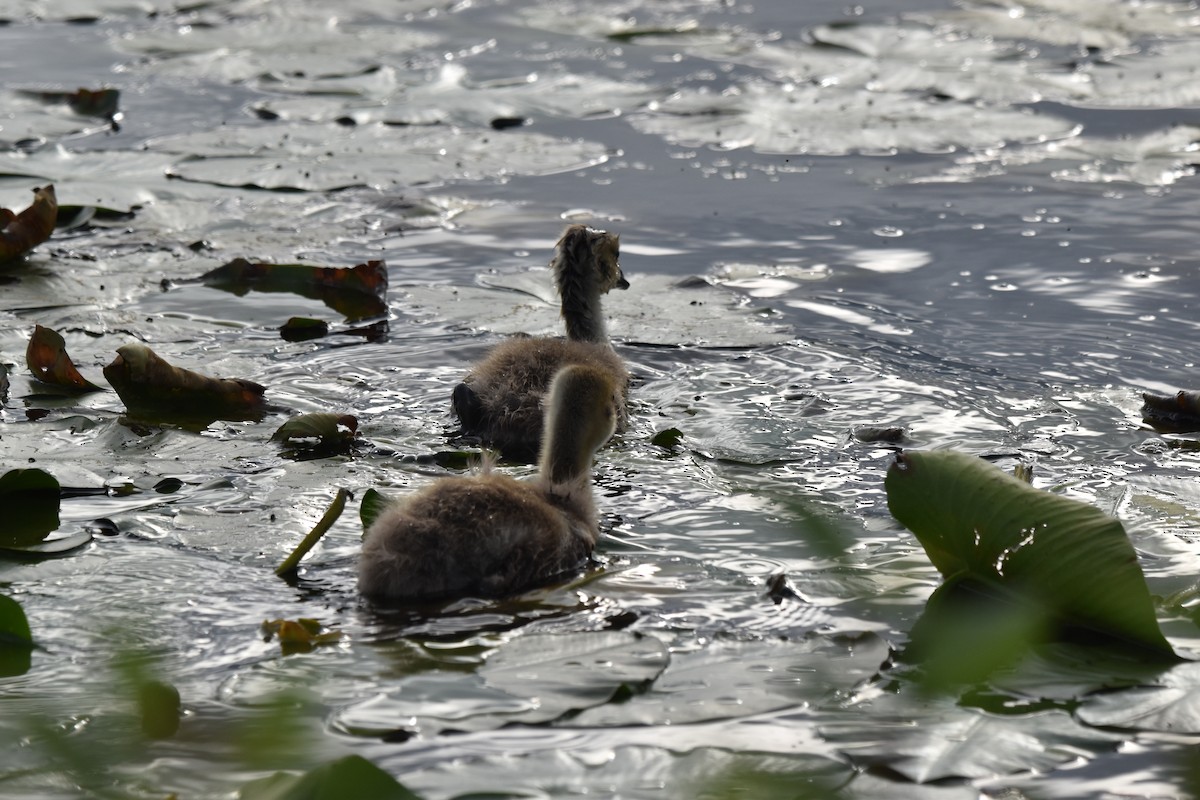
x=25, y=231
x=47, y=358
x=356, y=292
x=151, y=386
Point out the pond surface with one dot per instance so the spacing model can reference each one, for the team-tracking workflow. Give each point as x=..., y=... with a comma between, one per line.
x=976, y=222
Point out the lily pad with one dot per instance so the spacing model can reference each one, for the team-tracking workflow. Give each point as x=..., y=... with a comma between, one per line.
x=980, y=524
x=318, y=429
x=1169, y=703
x=322, y=157
x=787, y=119
x=658, y=309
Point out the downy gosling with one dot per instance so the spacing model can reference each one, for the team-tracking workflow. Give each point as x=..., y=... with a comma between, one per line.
x=490, y=535
x=500, y=401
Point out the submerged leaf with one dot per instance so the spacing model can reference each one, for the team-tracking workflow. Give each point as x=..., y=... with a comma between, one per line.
x=355, y=292
x=47, y=358
x=351, y=776
x=150, y=386
x=25, y=231
x=1067, y=558
x=30, y=498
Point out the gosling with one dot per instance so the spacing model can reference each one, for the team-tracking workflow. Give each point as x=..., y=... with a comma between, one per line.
x=500, y=401
x=489, y=535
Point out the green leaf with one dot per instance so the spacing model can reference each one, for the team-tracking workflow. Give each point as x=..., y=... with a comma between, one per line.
x=373, y=503
x=324, y=429
x=16, y=640
x=352, y=776
x=1067, y=558
x=30, y=498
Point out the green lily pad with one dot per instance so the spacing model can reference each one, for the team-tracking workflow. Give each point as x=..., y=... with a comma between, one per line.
x=352, y=776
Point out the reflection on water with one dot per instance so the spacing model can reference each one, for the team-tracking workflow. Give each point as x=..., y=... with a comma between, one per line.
x=1005, y=300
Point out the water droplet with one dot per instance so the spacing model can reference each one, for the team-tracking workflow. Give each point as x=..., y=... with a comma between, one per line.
x=888, y=231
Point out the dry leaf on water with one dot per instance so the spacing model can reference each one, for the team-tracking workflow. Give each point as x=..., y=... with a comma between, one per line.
x=149, y=385
x=25, y=231
x=47, y=358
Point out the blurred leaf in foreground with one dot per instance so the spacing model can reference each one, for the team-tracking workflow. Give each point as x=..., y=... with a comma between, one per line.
x=16, y=640
x=1032, y=550
x=24, y=231
x=352, y=776
x=355, y=292
x=150, y=386
x=46, y=355
x=30, y=498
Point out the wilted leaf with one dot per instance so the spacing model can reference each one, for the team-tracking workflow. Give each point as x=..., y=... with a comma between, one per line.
x=150, y=386
x=16, y=640
x=46, y=355
x=299, y=635
x=30, y=499
x=351, y=776
x=1064, y=557
x=325, y=430
x=25, y=231
x=355, y=292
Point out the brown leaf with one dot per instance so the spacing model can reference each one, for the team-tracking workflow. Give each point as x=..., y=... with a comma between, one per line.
x=101, y=103
x=25, y=231
x=47, y=358
x=355, y=292
x=150, y=386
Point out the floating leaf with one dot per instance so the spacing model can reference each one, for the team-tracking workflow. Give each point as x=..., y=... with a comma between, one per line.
x=101, y=103
x=668, y=438
x=290, y=563
x=323, y=430
x=981, y=524
x=299, y=635
x=351, y=776
x=355, y=292
x=937, y=739
x=25, y=231
x=16, y=640
x=30, y=498
x=150, y=386
x=301, y=329
x=1177, y=412
x=46, y=355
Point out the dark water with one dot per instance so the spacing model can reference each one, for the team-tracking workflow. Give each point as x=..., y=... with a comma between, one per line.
x=1011, y=300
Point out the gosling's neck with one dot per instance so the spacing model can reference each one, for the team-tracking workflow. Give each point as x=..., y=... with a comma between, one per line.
x=581, y=307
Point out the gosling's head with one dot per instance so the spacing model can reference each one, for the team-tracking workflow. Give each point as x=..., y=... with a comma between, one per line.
x=581, y=415
x=588, y=257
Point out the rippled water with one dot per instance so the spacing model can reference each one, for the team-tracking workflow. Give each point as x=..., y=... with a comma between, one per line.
x=1010, y=300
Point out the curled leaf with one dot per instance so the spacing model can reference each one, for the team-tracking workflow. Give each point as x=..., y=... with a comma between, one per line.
x=150, y=386
x=300, y=329
x=1063, y=558
x=46, y=355
x=355, y=292
x=30, y=498
x=373, y=502
x=25, y=231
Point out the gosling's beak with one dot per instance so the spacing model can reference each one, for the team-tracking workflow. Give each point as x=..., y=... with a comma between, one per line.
x=621, y=282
